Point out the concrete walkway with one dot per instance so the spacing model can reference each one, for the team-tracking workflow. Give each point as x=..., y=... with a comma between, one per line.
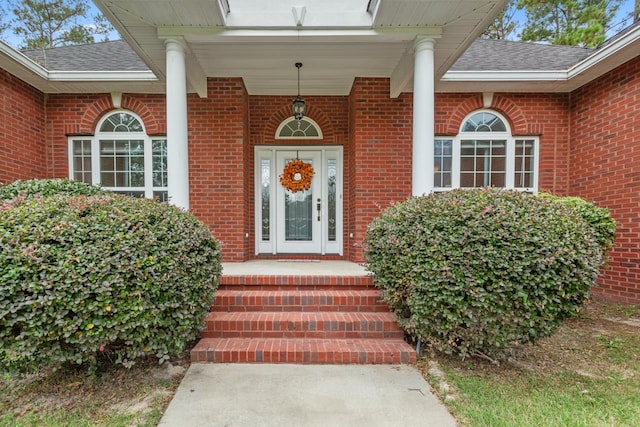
x=234, y=395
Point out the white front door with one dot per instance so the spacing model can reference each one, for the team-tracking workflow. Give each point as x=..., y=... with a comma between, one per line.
x=298, y=217
x=304, y=222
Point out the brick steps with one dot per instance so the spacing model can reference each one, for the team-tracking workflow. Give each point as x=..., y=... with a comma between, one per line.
x=302, y=325
x=295, y=282
x=299, y=300
x=320, y=351
x=301, y=319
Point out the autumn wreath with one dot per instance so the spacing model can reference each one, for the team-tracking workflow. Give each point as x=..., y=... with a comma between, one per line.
x=297, y=175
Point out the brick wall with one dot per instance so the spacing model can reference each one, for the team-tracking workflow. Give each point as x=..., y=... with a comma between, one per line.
x=599, y=163
x=22, y=141
x=218, y=142
x=605, y=168
x=78, y=115
x=528, y=114
x=380, y=154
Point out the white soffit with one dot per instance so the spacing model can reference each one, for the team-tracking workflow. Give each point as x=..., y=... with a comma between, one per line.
x=336, y=40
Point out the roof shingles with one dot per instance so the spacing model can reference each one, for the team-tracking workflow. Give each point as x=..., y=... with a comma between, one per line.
x=502, y=55
x=114, y=55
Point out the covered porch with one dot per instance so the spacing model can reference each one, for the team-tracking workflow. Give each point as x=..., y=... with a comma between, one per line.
x=368, y=82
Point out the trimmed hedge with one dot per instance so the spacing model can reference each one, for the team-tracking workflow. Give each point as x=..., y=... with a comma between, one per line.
x=48, y=187
x=87, y=279
x=597, y=217
x=478, y=272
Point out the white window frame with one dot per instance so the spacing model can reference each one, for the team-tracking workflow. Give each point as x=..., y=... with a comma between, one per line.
x=148, y=188
x=496, y=136
x=294, y=120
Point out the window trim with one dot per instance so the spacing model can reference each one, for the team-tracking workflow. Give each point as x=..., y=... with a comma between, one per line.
x=99, y=136
x=456, y=143
x=293, y=119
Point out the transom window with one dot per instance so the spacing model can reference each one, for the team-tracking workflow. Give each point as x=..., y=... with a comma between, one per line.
x=298, y=129
x=485, y=154
x=121, y=157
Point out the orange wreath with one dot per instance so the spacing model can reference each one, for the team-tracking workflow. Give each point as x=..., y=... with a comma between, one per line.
x=297, y=175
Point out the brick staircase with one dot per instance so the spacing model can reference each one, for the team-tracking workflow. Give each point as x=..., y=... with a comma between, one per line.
x=301, y=319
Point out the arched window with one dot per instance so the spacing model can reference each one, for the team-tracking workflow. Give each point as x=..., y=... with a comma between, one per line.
x=121, y=157
x=305, y=128
x=485, y=154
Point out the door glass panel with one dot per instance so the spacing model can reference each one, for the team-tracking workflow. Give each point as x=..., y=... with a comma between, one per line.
x=332, y=172
x=298, y=212
x=265, y=195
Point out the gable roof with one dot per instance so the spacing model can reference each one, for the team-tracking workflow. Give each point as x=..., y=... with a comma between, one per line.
x=104, y=56
x=487, y=55
x=482, y=55
x=487, y=65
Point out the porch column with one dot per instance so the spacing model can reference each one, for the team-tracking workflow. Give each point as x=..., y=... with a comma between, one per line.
x=423, y=117
x=177, y=137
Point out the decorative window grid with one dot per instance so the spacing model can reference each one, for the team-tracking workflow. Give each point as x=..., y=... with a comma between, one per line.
x=292, y=128
x=485, y=154
x=121, y=157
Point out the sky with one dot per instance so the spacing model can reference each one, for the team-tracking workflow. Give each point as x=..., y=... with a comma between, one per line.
x=621, y=21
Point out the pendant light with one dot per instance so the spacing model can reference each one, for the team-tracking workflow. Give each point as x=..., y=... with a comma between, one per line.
x=299, y=107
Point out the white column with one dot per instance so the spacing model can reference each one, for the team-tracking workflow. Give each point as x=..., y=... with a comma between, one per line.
x=177, y=136
x=423, y=117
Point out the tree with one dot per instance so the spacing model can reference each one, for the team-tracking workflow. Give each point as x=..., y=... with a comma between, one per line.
x=4, y=21
x=504, y=25
x=51, y=23
x=568, y=22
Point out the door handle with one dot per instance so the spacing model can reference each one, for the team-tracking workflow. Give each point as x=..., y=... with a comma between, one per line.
x=318, y=207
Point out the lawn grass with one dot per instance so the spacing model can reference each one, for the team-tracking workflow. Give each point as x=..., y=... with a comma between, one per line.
x=587, y=374
x=72, y=398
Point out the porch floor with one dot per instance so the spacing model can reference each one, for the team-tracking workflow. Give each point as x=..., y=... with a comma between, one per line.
x=293, y=268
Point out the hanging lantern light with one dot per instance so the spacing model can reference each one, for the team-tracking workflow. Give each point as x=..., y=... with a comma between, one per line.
x=299, y=106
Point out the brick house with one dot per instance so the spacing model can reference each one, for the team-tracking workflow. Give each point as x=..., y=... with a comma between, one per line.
x=195, y=107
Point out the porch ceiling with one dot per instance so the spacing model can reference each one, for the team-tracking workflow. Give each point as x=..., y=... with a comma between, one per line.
x=336, y=40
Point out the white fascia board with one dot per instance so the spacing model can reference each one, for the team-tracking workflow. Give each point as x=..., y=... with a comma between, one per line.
x=606, y=52
x=23, y=60
x=73, y=76
x=505, y=76
x=101, y=76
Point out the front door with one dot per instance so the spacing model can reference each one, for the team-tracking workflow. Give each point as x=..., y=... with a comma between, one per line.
x=299, y=214
x=305, y=221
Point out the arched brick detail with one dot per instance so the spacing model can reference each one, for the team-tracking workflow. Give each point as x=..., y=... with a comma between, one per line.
x=93, y=113
x=505, y=106
x=314, y=113
x=452, y=126
x=517, y=120
x=103, y=105
x=152, y=125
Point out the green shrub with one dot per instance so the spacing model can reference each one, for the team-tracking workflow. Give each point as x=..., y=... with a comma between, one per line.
x=48, y=187
x=599, y=218
x=478, y=272
x=87, y=279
